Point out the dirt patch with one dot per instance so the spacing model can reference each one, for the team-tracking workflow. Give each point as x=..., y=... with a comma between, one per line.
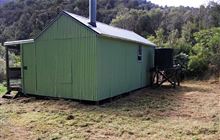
x=15, y=132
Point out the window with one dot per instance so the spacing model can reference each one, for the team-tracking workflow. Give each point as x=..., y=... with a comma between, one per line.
x=139, y=54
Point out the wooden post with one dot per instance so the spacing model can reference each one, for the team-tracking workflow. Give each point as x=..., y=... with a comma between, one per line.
x=7, y=69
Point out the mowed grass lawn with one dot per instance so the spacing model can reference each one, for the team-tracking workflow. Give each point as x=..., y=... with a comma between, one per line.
x=189, y=112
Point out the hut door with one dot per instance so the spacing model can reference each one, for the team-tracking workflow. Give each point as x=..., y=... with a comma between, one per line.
x=29, y=75
x=63, y=69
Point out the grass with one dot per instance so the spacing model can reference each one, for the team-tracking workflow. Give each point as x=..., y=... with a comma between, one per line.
x=2, y=89
x=189, y=112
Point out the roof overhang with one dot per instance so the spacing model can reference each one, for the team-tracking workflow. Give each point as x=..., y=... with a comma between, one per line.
x=100, y=30
x=18, y=42
x=107, y=30
x=125, y=39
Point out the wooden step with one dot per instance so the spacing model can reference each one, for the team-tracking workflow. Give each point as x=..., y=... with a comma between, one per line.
x=11, y=95
x=15, y=88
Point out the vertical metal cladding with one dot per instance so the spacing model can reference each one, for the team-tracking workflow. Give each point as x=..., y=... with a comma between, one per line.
x=66, y=61
x=118, y=68
x=29, y=73
x=70, y=61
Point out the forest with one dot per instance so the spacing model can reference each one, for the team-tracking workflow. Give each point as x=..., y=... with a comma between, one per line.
x=194, y=33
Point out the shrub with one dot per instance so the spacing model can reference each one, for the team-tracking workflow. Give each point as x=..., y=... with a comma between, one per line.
x=197, y=65
x=182, y=59
x=2, y=70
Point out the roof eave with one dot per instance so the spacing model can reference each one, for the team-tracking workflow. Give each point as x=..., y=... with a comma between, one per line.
x=125, y=39
x=18, y=42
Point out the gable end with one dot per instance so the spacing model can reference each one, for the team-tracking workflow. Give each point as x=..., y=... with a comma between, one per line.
x=56, y=19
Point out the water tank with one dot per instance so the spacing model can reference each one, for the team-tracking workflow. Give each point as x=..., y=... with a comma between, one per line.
x=164, y=58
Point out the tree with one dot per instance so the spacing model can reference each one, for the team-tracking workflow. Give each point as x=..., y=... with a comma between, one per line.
x=160, y=37
x=173, y=38
x=188, y=30
x=214, y=10
x=134, y=20
x=206, y=51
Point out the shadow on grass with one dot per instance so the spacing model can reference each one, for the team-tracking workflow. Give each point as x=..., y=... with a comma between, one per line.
x=145, y=103
x=150, y=101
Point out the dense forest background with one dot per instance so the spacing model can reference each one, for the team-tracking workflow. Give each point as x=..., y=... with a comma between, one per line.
x=193, y=32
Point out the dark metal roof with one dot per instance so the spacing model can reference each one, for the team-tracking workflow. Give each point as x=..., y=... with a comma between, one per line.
x=110, y=31
x=101, y=29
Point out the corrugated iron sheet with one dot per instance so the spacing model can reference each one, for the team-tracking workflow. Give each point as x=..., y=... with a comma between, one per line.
x=72, y=61
x=118, y=68
x=110, y=31
x=65, y=61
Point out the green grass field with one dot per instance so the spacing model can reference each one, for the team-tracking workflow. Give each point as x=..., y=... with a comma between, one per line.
x=190, y=112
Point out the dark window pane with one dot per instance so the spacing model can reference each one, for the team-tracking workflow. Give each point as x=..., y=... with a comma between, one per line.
x=139, y=53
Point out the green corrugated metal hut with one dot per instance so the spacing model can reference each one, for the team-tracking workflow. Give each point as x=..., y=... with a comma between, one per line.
x=74, y=59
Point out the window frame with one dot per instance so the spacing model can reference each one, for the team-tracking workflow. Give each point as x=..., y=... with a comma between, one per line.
x=140, y=53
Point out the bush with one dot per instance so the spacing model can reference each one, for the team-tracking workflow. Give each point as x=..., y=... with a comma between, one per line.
x=182, y=59
x=183, y=47
x=3, y=89
x=197, y=65
x=2, y=51
x=2, y=70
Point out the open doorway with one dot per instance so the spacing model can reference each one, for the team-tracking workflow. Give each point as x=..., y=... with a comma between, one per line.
x=14, y=68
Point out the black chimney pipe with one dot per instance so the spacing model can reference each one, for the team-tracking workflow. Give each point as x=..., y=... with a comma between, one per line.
x=92, y=12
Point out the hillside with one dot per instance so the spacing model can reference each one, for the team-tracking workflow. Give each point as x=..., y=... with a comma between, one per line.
x=22, y=19
x=181, y=28
x=190, y=111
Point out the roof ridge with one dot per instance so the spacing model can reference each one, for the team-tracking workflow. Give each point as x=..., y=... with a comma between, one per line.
x=100, y=22
x=111, y=31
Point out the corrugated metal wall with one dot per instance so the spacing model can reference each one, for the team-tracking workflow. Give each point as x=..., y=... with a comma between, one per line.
x=66, y=61
x=118, y=68
x=71, y=61
x=29, y=73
